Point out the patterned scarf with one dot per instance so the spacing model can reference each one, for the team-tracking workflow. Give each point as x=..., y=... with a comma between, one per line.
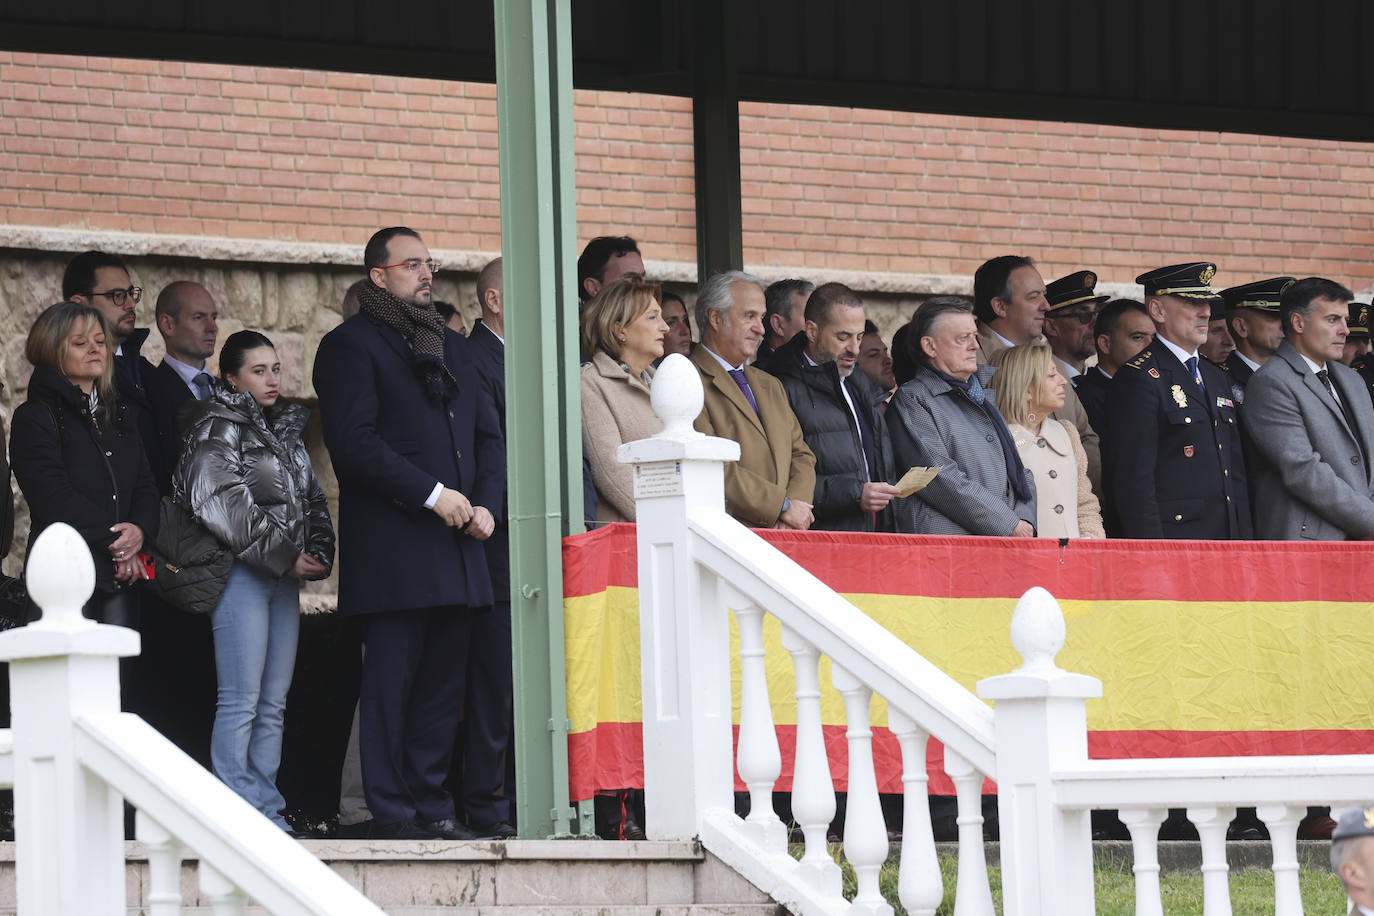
x=423, y=329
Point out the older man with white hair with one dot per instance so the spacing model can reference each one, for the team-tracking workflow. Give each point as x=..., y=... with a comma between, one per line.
x=773, y=483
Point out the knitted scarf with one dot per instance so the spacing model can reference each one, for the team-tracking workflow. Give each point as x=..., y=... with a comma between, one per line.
x=423, y=329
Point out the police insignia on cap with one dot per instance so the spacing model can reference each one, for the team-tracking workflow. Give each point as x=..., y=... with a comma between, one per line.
x=1207, y=274
x=1180, y=398
x=1364, y=315
x=1187, y=451
x=1089, y=280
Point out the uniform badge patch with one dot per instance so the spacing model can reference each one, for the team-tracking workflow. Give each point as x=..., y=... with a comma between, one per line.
x=1180, y=398
x=1224, y=402
x=1154, y=373
x=1187, y=451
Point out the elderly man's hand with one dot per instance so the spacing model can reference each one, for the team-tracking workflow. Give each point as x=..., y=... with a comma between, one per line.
x=797, y=516
x=1023, y=529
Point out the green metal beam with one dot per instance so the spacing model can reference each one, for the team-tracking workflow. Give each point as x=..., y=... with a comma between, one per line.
x=544, y=427
x=715, y=122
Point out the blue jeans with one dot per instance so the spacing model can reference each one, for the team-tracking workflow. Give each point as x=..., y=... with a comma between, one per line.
x=255, y=624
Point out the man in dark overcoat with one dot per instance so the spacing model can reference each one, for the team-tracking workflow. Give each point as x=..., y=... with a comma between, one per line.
x=416, y=445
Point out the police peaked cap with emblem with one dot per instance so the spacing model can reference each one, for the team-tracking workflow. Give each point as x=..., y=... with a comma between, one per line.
x=1262, y=295
x=1354, y=823
x=1075, y=289
x=1184, y=281
x=1358, y=320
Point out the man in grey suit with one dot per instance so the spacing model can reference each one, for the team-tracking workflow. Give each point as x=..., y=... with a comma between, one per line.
x=1311, y=425
x=944, y=418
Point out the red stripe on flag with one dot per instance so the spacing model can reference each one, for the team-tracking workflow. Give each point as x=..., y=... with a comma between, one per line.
x=1098, y=570
x=615, y=751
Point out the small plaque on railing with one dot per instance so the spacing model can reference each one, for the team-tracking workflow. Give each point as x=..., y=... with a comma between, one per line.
x=658, y=478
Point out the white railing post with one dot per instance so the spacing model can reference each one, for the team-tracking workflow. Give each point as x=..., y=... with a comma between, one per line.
x=164, y=866
x=758, y=759
x=865, y=834
x=1041, y=722
x=813, y=791
x=68, y=824
x=919, y=884
x=684, y=625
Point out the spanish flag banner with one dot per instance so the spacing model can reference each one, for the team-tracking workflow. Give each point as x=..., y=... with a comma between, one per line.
x=1204, y=648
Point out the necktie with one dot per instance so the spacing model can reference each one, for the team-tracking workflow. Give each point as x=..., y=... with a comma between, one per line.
x=202, y=381
x=1326, y=380
x=743, y=383
x=1197, y=374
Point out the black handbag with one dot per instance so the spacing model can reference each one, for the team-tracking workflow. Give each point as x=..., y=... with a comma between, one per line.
x=190, y=567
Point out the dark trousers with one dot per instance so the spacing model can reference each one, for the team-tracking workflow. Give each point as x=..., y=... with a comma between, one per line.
x=120, y=608
x=410, y=701
x=485, y=736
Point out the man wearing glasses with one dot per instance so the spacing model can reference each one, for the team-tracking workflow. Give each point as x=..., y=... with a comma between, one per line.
x=100, y=279
x=417, y=448
x=1070, y=319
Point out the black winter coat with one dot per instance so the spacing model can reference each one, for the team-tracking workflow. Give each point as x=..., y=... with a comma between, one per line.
x=828, y=427
x=88, y=471
x=245, y=474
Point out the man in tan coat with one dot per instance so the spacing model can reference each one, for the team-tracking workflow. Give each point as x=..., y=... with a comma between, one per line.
x=773, y=483
x=1009, y=302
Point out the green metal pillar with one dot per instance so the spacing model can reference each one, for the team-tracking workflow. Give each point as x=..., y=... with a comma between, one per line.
x=544, y=426
x=715, y=122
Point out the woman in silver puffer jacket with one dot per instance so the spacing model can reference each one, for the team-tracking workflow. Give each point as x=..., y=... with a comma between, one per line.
x=245, y=475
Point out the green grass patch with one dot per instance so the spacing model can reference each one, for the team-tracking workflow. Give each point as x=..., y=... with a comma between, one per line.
x=1252, y=890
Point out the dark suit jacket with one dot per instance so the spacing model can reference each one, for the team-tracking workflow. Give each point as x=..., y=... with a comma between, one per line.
x=774, y=461
x=1312, y=473
x=166, y=395
x=1091, y=388
x=131, y=372
x=489, y=358
x=390, y=442
x=1174, y=467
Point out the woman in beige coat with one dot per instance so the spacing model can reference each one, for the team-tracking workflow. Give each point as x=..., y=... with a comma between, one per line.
x=623, y=329
x=1029, y=387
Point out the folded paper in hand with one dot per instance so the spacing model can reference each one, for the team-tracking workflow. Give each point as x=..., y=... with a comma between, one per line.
x=915, y=480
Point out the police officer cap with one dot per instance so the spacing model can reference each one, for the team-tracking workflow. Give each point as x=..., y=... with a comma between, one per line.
x=1185, y=281
x=1358, y=320
x=1355, y=823
x=1263, y=295
x=1075, y=289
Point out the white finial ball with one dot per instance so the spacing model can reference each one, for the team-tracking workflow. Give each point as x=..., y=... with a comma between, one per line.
x=1037, y=630
x=676, y=395
x=61, y=573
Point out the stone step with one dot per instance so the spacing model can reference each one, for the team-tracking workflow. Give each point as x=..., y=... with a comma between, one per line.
x=511, y=878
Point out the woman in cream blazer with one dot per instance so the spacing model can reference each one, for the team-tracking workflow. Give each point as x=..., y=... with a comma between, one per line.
x=1029, y=387
x=623, y=330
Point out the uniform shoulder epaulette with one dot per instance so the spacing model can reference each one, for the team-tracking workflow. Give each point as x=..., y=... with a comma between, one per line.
x=1222, y=366
x=1139, y=360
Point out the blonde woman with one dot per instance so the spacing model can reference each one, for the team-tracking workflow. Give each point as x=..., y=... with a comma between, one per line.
x=77, y=456
x=623, y=330
x=1029, y=388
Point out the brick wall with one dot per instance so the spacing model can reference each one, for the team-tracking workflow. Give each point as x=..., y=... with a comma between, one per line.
x=287, y=155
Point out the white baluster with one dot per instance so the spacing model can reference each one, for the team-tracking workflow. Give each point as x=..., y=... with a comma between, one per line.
x=68, y=822
x=1282, y=821
x=865, y=835
x=813, y=792
x=1144, y=826
x=759, y=760
x=225, y=899
x=164, y=866
x=972, y=894
x=919, y=884
x=1211, y=823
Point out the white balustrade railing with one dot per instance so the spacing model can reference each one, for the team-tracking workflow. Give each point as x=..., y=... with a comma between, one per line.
x=696, y=565
x=73, y=759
